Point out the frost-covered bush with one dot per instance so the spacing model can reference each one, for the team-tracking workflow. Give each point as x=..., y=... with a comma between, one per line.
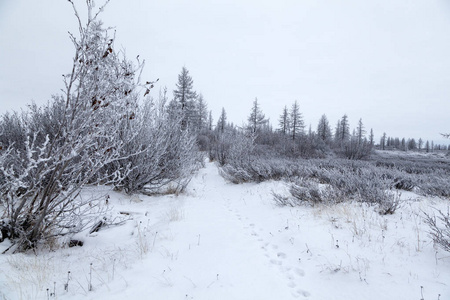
x=336, y=183
x=235, y=154
x=49, y=153
x=220, y=145
x=427, y=176
x=308, y=191
x=440, y=228
x=160, y=154
x=370, y=181
x=259, y=169
x=354, y=149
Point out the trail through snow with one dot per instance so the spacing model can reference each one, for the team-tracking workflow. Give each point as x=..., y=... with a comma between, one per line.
x=219, y=249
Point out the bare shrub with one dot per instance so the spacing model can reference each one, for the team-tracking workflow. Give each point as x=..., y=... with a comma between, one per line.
x=343, y=181
x=161, y=154
x=56, y=149
x=307, y=191
x=440, y=228
x=235, y=175
x=355, y=149
x=281, y=200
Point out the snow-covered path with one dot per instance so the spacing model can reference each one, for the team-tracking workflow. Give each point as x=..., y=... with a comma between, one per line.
x=217, y=249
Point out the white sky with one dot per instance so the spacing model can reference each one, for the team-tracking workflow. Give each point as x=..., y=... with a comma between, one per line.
x=385, y=61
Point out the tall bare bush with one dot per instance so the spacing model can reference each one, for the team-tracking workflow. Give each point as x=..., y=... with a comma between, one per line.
x=63, y=145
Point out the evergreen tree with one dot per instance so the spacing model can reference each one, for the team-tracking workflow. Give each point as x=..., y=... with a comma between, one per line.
x=344, y=130
x=284, y=121
x=360, y=132
x=383, y=141
x=185, y=97
x=210, y=121
x=297, y=124
x=323, y=129
x=371, y=137
x=256, y=118
x=412, y=145
x=337, y=132
x=202, y=113
x=403, y=144
x=222, y=122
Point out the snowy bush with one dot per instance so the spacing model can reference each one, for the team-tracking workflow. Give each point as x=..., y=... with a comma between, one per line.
x=308, y=191
x=51, y=152
x=426, y=176
x=160, y=154
x=234, y=152
x=341, y=183
x=354, y=149
x=371, y=181
x=440, y=228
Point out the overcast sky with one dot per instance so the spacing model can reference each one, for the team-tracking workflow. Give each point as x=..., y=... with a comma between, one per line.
x=385, y=61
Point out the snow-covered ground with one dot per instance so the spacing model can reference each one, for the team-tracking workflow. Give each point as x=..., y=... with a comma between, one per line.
x=224, y=241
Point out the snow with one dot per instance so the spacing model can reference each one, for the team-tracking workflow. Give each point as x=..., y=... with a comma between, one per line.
x=224, y=241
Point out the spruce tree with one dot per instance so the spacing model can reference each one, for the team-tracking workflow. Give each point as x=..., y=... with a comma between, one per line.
x=297, y=124
x=360, y=132
x=284, y=121
x=323, y=129
x=344, y=130
x=222, y=122
x=256, y=118
x=201, y=113
x=185, y=97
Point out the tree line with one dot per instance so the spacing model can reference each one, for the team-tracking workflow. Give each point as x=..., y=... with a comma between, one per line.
x=410, y=144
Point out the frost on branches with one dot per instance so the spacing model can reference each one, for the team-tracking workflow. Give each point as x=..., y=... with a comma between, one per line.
x=87, y=135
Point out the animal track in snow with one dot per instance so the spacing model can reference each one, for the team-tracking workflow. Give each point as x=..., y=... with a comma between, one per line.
x=276, y=262
x=292, y=284
x=303, y=293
